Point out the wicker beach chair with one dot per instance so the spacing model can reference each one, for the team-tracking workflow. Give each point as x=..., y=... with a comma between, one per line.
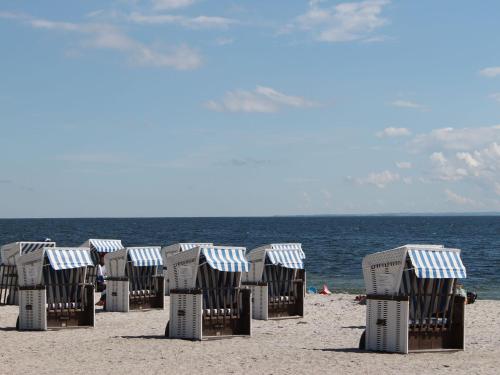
x=205, y=296
x=411, y=299
x=52, y=289
x=98, y=249
x=8, y=268
x=173, y=249
x=277, y=280
x=135, y=279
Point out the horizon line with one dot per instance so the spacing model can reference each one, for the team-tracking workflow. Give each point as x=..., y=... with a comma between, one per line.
x=379, y=214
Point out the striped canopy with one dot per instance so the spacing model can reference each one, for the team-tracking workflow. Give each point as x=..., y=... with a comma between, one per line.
x=437, y=264
x=190, y=245
x=28, y=247
x=228, y=259
x=105, y=246
x=287, y=258
x=62, y=258
x=8, y=252
x=145, y=256
x=288, y=255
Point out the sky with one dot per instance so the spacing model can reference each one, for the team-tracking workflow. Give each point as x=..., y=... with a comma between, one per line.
x=248, y=108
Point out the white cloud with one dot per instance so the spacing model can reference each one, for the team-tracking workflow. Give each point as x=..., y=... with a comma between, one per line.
x=408, y=104
x=394, y=132
x=380, y=180
x=438, y=158
x=492, y=71
x=344, y=22
x=403, y=164
x=262, y=99
x=457, y=139
x=481, y=165
x=445, y=170
x=104, y=36
x=199, y=22
x=171, y=4
x=468, y=159
x=458, y=199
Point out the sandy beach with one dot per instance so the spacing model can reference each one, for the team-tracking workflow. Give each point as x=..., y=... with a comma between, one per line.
x=325, y=341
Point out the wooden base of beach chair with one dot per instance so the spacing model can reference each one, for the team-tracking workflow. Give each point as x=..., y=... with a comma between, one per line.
x=70, y=315
x=260, y=297
x=146, y=302
x=185, y=314
x=32, y=309
x=117, y=294
x=36, y=315
x=266, y=307
x=438, y=335
x=229, y=322
x=389, y=328
x=8, y=285
x=188, y=320
x=120, y=298
x=148, y=299
x=288, y=306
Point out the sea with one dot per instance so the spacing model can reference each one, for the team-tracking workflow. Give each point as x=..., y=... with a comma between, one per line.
x=334, y=245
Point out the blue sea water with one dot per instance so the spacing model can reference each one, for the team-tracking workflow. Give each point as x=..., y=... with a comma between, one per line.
x=334, y=246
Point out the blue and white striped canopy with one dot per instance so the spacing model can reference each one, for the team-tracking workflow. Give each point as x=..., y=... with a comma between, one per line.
x=190, y=245
x=287, y=255
x=28, y=247
x=145, y=256
x=62, y=258
x=105, y=246
x=437, y=264
x=9, y=251
x=228, y=259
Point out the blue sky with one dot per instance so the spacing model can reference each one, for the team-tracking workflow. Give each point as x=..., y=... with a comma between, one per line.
x=221, y=108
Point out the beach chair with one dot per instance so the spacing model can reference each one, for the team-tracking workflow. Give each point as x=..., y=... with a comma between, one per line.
x=98, y=249
x=412, y=303
x=205, y=295
x=52, y=289
x=8, y=268
x=176, y=248
x=135, y=279
x=277, y=280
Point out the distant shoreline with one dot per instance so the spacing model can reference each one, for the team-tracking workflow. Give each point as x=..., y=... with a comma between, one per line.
x=397, y=214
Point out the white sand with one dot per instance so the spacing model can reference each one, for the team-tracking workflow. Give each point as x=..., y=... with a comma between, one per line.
x=325, y=341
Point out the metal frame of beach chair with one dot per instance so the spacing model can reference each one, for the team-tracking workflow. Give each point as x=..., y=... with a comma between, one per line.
x=135, y=279
x=98, y=249
x=411, y=300
x=206, y=298
x=277, y=280
x=52, y=289
x=167, y=251
x=8, y=268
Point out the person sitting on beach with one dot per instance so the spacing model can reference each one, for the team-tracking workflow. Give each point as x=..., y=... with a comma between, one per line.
x=101, y=282
x=101, y=274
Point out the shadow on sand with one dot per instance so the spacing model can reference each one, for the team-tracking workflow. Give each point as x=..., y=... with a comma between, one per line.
x=6, y=329
x=339, y=350
x=147, y=337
